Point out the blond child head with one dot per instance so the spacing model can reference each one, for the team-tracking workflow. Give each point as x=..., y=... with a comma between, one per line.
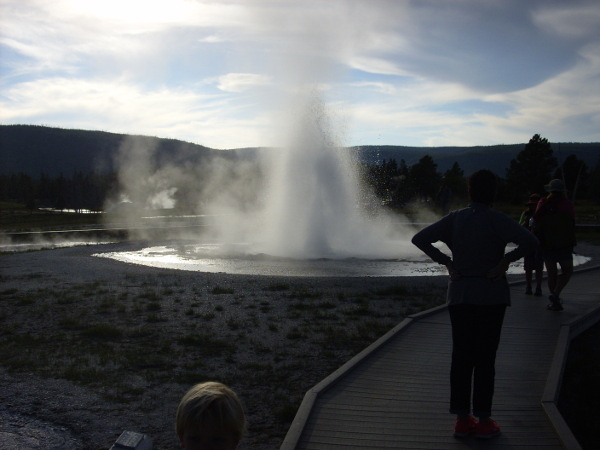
x=210, y=415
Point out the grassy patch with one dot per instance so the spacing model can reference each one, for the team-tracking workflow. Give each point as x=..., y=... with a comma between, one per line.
x=220, y=290
x=277, y=287
x=206, y=344
x=305, y=294
x=8, y=292
x=153, y=306
x=70, y=324
x=294, y=334
x=362, y=309
x=286, y=413
x=103, y=331
x=25, y=299
x=397, y=290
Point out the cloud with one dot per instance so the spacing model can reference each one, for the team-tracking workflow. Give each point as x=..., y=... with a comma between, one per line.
x=478, y=44
x=560, y=104
x=571, y=21
x=214, y=71
x=122, y=107
x=212, y=39
x=239, y=82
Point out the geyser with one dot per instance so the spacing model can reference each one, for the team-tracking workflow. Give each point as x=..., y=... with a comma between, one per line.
x=314, y=206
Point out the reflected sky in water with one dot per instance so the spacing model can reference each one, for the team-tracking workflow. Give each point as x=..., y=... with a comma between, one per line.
x=212, y=258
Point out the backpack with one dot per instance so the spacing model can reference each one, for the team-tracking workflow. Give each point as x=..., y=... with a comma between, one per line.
x=555, y=229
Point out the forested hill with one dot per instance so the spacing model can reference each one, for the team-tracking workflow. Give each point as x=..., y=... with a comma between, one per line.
x=53, y=151
x=34, y=150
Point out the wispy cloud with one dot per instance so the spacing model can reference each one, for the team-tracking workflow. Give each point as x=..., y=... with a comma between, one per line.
x=458, y=72
x=239, y=82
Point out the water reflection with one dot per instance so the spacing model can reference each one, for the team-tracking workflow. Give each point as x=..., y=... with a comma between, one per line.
x=213, y=258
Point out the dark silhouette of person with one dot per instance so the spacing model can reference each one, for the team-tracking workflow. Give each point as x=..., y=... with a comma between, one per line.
x=478, y=294
x=554, y=225
x=532, y=263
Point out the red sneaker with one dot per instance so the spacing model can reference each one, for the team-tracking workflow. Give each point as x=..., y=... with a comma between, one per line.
x=462, y=428
x=487, y=429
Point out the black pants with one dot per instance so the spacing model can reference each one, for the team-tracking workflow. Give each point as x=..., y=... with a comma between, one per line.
x=475, y=338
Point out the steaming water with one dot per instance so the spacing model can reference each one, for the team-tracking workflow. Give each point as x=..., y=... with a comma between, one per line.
x=19, y=247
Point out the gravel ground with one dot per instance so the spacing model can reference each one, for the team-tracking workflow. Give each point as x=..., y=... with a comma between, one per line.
x=91, y=347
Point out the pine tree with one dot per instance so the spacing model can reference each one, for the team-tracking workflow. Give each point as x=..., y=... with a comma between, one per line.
x=532, y=169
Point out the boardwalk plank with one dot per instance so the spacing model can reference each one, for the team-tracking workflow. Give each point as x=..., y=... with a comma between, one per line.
x=397, y=396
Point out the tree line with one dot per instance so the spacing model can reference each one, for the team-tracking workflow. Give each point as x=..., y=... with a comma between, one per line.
x=78, y=193
x=399, y=185
x=394, y=184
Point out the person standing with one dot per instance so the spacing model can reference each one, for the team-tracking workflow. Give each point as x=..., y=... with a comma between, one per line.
x=532, y=263
x=554, y=225
x=478, y=294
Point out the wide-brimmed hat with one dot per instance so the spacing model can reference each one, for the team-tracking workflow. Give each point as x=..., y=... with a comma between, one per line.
x=534, y=199
x=555, y=185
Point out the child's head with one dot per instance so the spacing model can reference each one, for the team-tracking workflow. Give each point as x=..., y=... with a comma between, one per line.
x=210, y=413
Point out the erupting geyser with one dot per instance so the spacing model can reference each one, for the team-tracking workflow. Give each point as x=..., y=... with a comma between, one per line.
x=312, y=206
x=313, y=209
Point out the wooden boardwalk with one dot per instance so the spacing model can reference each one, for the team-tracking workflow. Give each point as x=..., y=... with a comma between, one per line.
x=395, y=393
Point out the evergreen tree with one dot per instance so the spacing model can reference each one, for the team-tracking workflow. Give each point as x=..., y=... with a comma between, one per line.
x=594, y=188
x=453, y=187
x=455, y=179
x=574, y=172
x=424, y=178
x=531, y=170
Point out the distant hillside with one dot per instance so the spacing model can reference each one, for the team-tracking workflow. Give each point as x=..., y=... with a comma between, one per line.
x=35, y=149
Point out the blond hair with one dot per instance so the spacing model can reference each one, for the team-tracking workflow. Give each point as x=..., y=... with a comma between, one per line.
x=211, y=403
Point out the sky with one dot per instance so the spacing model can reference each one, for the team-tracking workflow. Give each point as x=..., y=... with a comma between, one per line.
x=224, y=73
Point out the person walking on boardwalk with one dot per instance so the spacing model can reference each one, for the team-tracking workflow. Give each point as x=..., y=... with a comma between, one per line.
x=554, y=225
x=478, y=294
x=532, y=263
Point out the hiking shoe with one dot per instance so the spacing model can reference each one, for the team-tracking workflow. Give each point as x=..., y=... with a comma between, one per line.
x=487, y=429
x=554, y=303
x=462, y=428
x=538, y=292
x=555, y=306
x=528, y=291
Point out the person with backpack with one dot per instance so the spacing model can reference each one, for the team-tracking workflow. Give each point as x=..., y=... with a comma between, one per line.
x=554, y=226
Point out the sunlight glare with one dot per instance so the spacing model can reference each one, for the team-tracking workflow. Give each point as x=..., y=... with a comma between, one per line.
x=134, y=11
